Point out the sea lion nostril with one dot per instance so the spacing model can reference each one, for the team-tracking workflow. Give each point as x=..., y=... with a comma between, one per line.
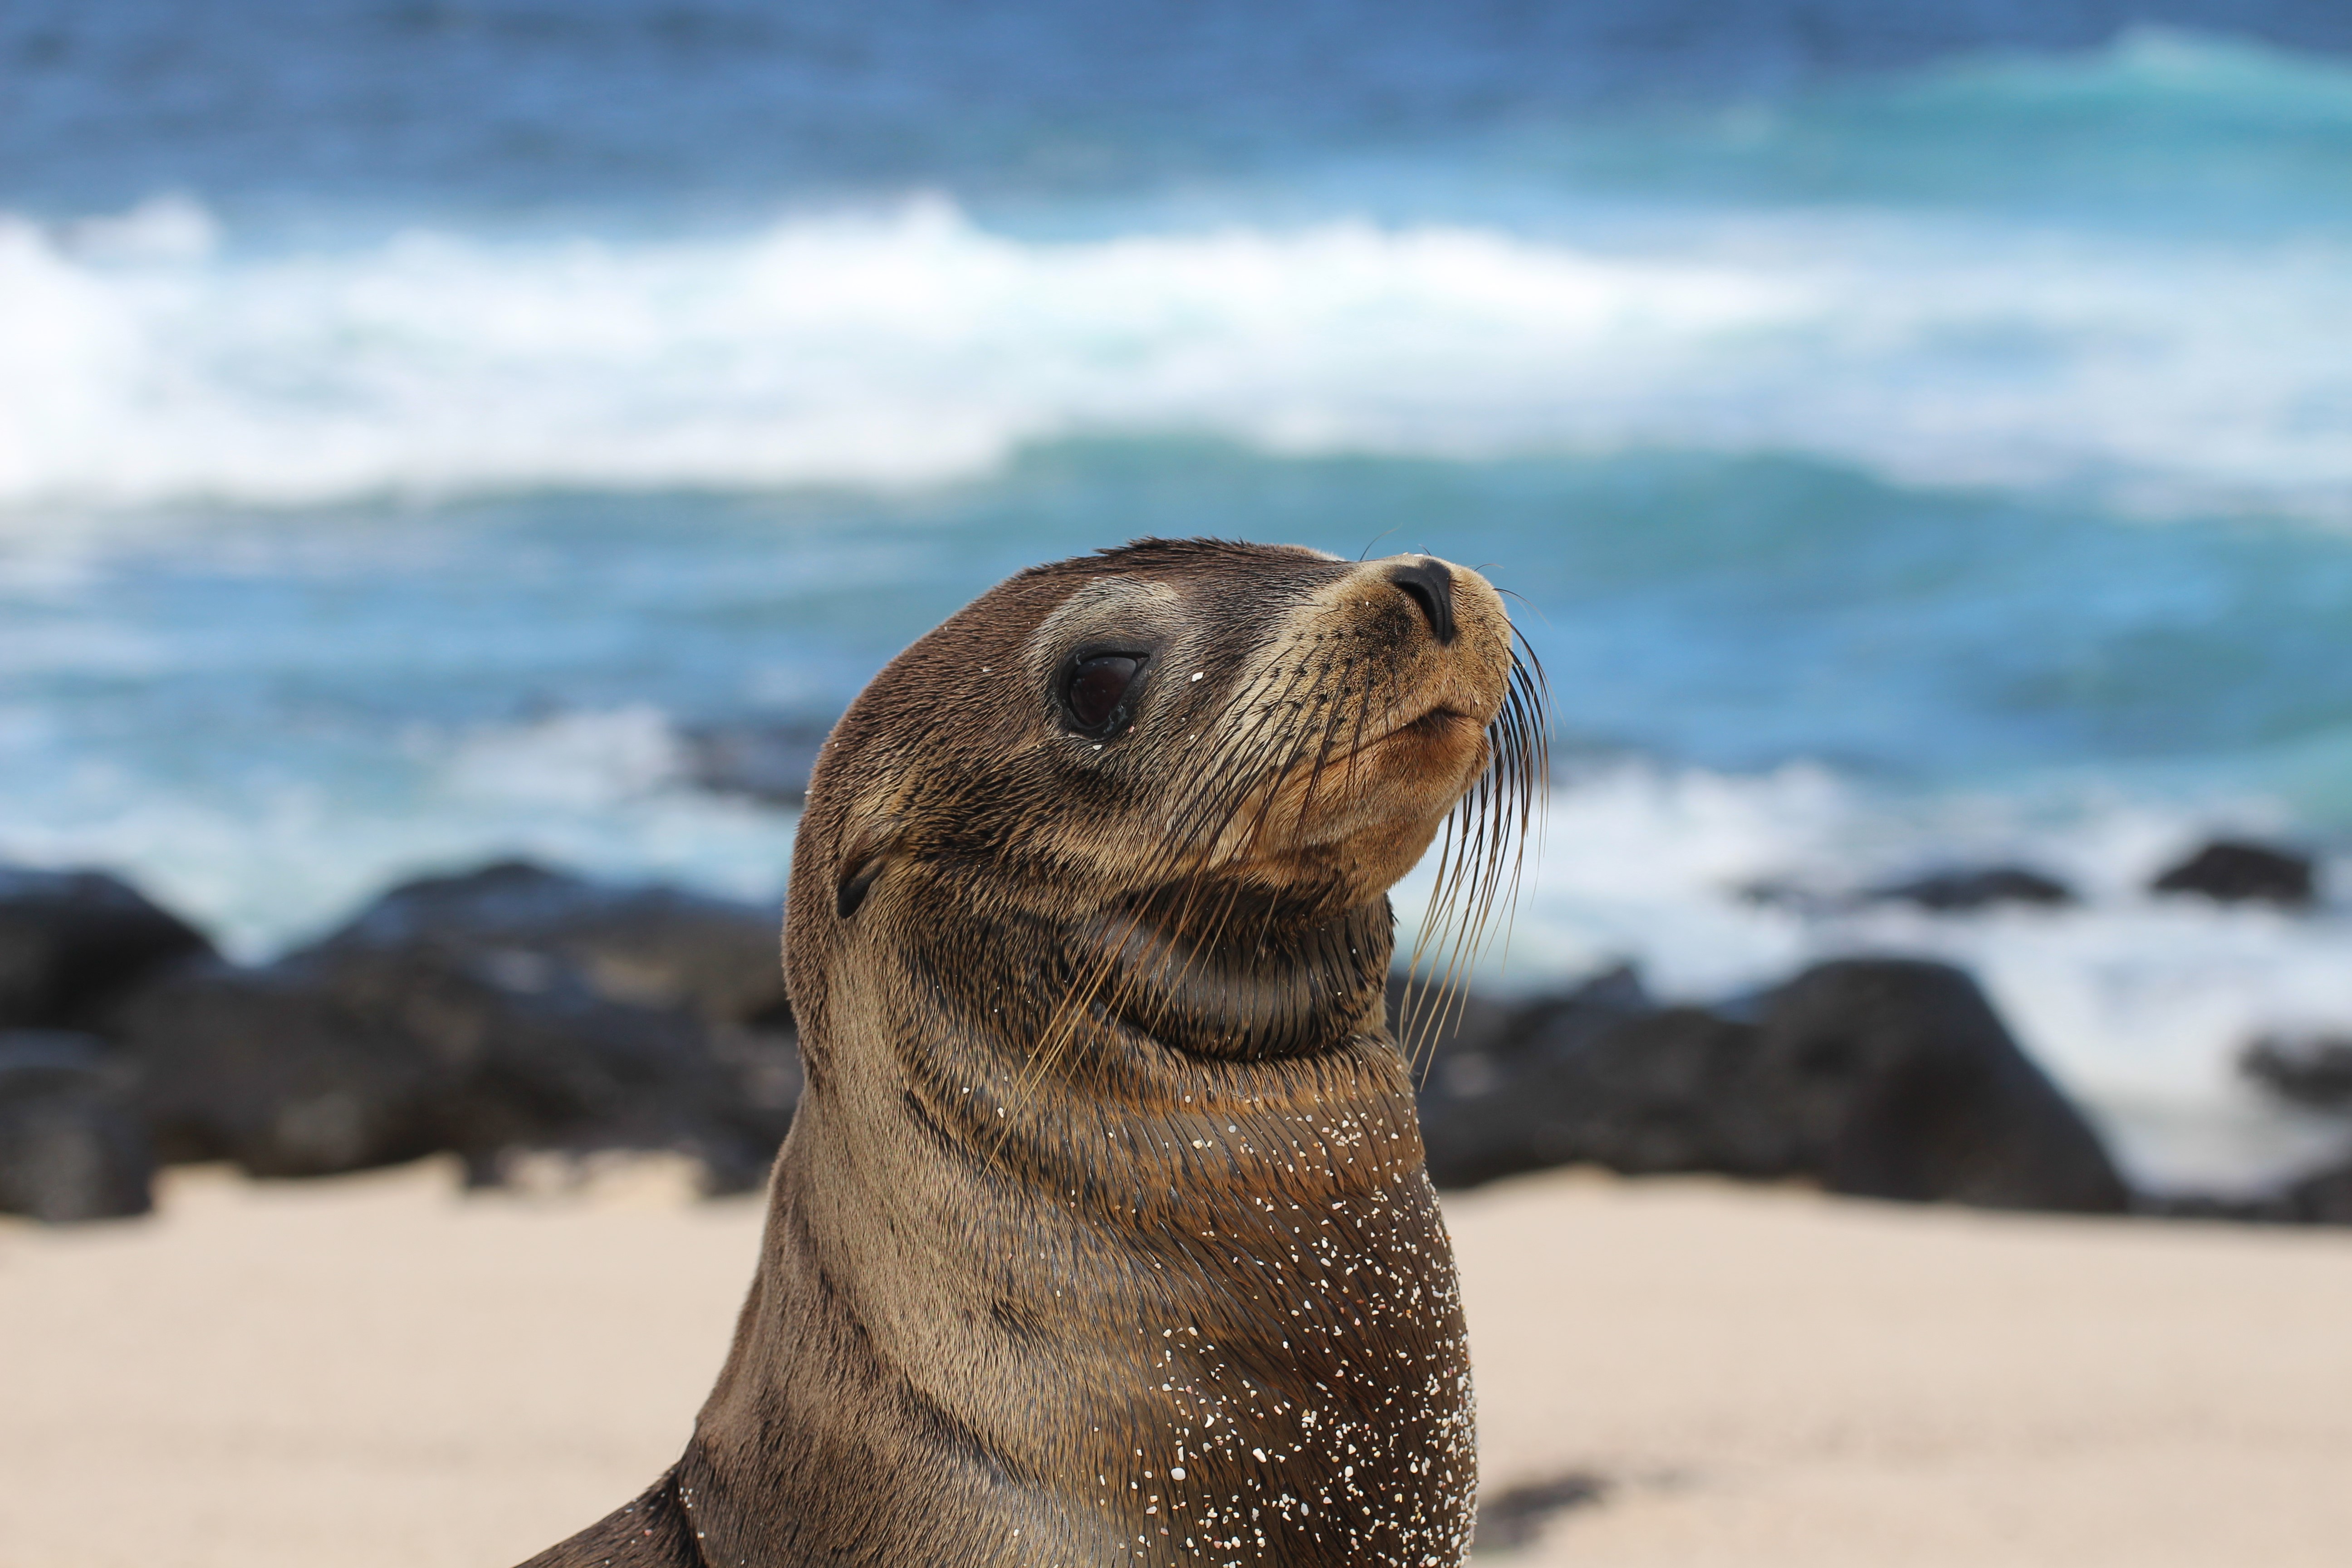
x=1430, y=586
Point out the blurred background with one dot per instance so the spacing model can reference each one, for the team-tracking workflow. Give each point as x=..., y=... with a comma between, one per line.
x=1920, y=435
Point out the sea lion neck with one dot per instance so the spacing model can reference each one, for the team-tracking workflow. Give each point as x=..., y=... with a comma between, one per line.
x=1139, y=987
x=1100, y=1302
x=1242, y=973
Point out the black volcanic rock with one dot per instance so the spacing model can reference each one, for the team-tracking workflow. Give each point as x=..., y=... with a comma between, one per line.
x=646, y=946
x=279, y=1070
x=1426, y=1016
x=71, y=1148
x=1481, y=1046
x=2320, y=1197
x=1880, y=1077
x=2236, y=871
x=2313, y=1070
x=1557, y=1026
x=1643, y=1094
x=71, y=940
x=1900, y=1082
x=337, y=1061
x=512, y=1009
x=2269, y=1208
x=1958, y=890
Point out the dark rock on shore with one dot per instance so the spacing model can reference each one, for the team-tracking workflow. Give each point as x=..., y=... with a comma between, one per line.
x=1640, y=1095
x=332, y=1062
x=2313, y=1070
x=1485, y=1108
x=1471, y=1040
x=645, y=946
x=1903, y=1083
x=71, y=940
x=2236, y=871
x=1958, y=890
x=2322, y=1198
x=517, y=1009
x=2277, y=1208
x=71, y=1148
x=1880, y=1077
x=271, y=1069
x=512, y=1009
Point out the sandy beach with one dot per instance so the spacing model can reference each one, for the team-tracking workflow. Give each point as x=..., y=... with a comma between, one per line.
x=382, y=1370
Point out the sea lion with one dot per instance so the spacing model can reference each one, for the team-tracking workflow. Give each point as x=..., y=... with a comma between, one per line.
x=1102, y=1234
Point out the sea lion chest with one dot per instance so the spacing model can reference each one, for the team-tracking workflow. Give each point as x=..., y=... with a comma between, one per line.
x=1218, y=1326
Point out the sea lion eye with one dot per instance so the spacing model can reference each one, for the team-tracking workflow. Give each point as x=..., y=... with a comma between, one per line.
x=1096, y=686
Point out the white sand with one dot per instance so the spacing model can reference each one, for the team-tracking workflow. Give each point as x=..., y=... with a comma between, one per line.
x=379, y=1370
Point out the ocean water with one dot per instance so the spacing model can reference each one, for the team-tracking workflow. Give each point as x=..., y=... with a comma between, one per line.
x=1916, y=437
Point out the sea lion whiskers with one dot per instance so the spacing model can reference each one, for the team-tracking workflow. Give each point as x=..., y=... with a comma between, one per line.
x=1509, y=799
x=1351, y=712
x=1472, y=876
x=1461, y=899
x=1214, y=933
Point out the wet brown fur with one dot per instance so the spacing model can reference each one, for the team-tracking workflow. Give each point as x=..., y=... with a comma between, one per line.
x=1102, y=1235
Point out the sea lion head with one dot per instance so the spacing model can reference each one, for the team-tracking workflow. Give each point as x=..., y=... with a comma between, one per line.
x=1158, y=750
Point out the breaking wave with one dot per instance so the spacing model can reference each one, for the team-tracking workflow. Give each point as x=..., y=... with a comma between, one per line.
x=151, y=360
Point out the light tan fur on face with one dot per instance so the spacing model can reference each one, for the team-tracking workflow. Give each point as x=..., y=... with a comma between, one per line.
x=1420, y=739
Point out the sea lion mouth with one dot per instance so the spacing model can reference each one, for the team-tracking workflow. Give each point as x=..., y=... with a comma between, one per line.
x=1440, y=723
x=1439, y=720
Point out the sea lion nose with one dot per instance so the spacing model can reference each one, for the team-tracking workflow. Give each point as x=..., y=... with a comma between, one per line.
x=1429, y=585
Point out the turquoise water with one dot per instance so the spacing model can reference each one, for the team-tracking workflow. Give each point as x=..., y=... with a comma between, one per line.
x=1907, y=445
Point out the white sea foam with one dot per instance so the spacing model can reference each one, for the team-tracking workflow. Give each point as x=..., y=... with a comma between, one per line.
x=145, y=359
x=272, y=860
x=585, y=761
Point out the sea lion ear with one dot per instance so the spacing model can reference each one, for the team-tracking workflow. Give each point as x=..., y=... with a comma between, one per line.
x=863, y=862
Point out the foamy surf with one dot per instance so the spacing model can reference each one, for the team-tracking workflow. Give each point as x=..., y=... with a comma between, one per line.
x=268, y=861
x=150, y=359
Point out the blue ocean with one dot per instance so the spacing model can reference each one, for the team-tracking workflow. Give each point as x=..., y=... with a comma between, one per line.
x=1915, y=436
